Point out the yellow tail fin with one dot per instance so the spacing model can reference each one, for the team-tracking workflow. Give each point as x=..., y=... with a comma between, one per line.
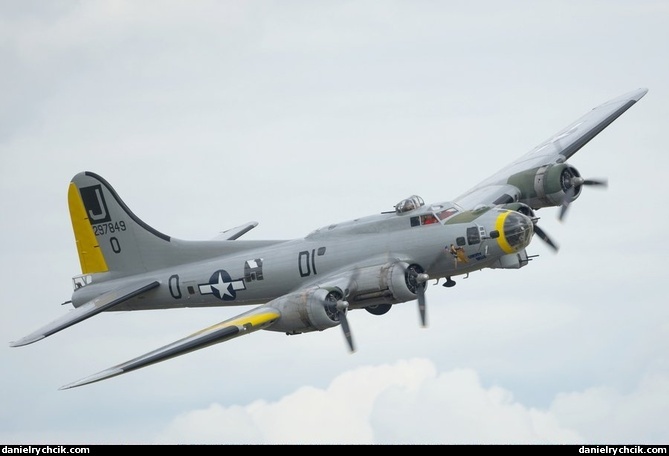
x=90, y=255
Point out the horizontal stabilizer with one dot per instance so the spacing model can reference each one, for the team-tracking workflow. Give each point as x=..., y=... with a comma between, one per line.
x=246, y=323
x=93, y=307
x=236, y=232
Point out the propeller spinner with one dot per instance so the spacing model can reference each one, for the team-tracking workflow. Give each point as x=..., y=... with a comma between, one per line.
x=337, y=308
x=573, y=185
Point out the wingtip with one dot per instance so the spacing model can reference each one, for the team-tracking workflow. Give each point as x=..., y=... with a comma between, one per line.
x=633, y=96
x=639, y=93
x=103, y=375
x=25, y=341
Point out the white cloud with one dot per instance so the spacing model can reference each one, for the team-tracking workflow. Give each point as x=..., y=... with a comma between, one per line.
x=406, y=402
x=338, y=414
x=409, y=402
x=454, y=408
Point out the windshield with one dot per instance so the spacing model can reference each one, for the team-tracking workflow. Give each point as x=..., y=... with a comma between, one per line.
x=446, y=213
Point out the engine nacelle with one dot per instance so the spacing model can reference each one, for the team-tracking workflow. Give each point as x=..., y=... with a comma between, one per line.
x=547, y=185
x=391, y=283
x=314, y=309
x=520, y=207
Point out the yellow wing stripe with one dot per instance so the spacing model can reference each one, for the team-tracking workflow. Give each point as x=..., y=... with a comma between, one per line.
x=90, y=254
x=499, y=226
x=257, y=321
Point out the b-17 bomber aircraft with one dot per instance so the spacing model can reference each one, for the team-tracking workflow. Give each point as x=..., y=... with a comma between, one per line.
x=310, y=284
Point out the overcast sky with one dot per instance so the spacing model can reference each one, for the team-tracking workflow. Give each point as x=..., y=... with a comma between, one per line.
x=204, y=115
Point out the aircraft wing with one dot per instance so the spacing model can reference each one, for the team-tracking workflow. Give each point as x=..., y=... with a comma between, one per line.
x=294, y=312
x=556, y=149
x=246, y=323
x=95, y=306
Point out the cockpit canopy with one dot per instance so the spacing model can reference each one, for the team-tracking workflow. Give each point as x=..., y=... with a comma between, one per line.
x=409, y=204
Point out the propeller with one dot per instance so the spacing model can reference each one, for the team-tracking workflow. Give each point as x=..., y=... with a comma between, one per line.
x=416, y=279
x=573, y=184
x=337, y=308
x=342, y=308
x=542, y=234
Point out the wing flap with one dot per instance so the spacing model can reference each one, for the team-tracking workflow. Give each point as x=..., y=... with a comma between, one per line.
x=246, y=323
x=93, y=307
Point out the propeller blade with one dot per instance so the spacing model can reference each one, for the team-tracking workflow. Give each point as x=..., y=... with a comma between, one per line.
x=420, y=293
x=421, y=306
x=418, y=279
x=596, y=182
x=542, y=234
x=568, y=198
x=342, y=307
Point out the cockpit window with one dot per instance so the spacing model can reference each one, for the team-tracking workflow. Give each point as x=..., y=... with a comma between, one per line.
x=446, y=213
x=409, y=204
x=427, y=219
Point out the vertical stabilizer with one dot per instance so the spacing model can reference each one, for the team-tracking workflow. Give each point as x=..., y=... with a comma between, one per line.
x=109, y=237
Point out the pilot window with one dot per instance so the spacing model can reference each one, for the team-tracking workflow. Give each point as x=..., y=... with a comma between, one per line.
x=473, y=235
x=427, y=219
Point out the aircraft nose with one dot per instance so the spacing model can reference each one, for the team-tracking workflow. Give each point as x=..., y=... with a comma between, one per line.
x=515, y=231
